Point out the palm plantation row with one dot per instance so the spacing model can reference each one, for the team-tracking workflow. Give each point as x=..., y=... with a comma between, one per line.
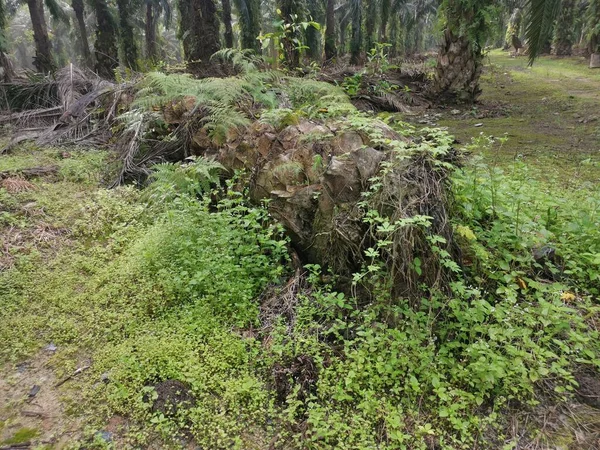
x=138, y=34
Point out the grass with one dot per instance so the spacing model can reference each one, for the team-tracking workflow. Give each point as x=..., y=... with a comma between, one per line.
x=548, y=114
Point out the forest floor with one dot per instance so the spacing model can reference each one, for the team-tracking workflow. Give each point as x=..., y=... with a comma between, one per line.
x=550, y=115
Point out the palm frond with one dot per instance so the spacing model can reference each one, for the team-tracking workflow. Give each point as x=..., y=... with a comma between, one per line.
x=538, y=29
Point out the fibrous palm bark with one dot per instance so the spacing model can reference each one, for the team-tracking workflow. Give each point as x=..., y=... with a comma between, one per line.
x=330, y=47
x=226, y=5
x=43, y=55
x=79, y=10
x=563, y=32
x=249, y=19
x=356, y=39
x=199, y=30
x=128, y=44
x=105, y=47
x=460, y=58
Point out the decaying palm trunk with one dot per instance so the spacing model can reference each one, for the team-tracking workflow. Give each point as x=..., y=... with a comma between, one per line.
x=459, y=67
x=43, y=54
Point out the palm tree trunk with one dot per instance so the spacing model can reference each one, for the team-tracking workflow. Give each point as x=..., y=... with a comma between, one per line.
x=78, y=8
x=249, y=14
x=290, y=12
x=563, y=33
x=199, y=29
x=128, y=45
x=43, y=55
x=370, y=25
x=227, y=21
x=385, y=15
x=150, y=32
x=313, y=35
x=459, y=67
x=356, y=40
x=330, y=49
x=105, y=47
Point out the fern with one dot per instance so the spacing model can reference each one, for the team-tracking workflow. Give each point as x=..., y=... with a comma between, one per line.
x=169, y=180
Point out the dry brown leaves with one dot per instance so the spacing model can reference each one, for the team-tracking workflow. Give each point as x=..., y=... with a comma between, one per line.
x=15, y=185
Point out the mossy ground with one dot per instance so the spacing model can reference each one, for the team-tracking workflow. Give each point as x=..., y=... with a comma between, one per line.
x=548, y=114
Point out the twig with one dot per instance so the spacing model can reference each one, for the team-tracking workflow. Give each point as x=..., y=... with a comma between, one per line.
x=74, y=374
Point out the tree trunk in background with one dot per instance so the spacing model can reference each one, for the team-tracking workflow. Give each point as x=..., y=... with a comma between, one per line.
x=227, y=21
x=199, y=30
x=105, y=47
x=514, y=28
x=342, y=49
x=79, y=9
x=128, y=45
x=249, y=20
x=356, y=40
x=291, y=12
x=370, y=23
x=563, y=33
x=313, y=35
x=385, y=16
x=8, y=72
x=330, y=49
x=458, y=68
x=43, y=55
x=150, y=32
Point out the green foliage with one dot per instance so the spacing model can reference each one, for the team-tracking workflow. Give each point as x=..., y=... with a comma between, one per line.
x=169, y=180
x=222, y=101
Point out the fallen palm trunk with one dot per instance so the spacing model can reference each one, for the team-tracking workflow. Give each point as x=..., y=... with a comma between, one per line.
x=323, y=181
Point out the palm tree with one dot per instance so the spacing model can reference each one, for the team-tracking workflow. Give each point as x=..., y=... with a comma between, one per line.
x=43, y=61
x=330, y=47
x=128, y=44
x=460, y=58
x=249, y=19
x=357, y=38
x=292, y=11
x=79, y=10
x=199, y=30
x=154, y=9
x=105, y=47
x=5, y=64
x=226, y=5
x=563, y=34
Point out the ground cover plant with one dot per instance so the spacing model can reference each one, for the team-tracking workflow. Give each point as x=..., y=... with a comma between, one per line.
x=174, y=315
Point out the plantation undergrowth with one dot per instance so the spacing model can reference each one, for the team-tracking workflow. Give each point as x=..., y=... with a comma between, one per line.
x=163, y=295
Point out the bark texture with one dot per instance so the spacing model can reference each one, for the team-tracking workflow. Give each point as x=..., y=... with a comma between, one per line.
x=79, y=10
x=249, y=14
x=43, y=55
x=150, y=32
x=107, y=53
x=128, y=45
x=226, y=4
x=330, y=47
x=199, y=29
x=357, y=38
x=458, y=70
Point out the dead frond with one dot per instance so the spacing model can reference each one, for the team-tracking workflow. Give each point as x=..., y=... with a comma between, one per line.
x=15, y=185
